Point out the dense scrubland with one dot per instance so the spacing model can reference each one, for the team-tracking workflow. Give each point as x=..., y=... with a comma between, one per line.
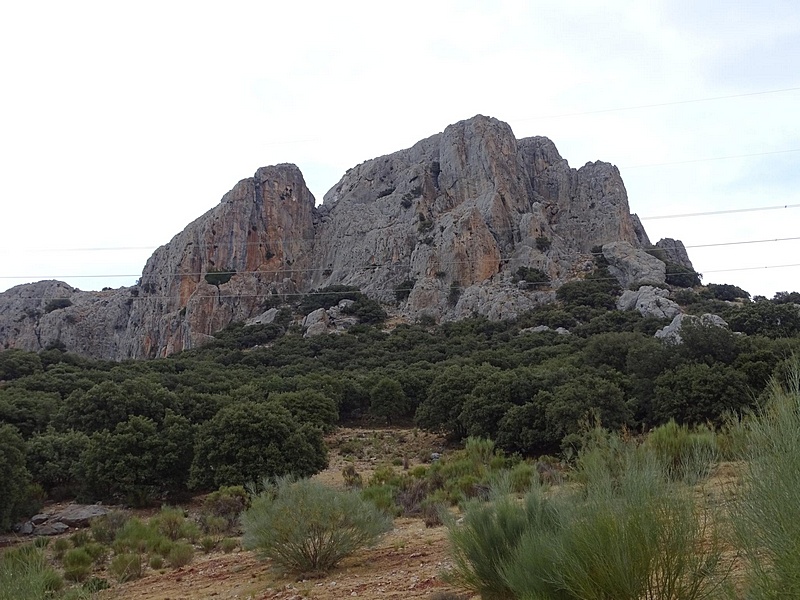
x=614, y=429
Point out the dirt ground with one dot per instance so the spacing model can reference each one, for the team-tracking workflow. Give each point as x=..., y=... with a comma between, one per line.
x=406, y=563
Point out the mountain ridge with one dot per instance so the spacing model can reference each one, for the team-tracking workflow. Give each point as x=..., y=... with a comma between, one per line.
x=464, y=209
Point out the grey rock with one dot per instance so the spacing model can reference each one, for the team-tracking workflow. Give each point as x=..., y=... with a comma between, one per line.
x=675, y=251
x=79, y=515
x=562, y=331
x=633, y=266
x=672, y=332
x=264, y=318
x=39, y=519
x=318, y=316
x=649, y=301
x=25, y=528
x=460, y=210
x=55, y=528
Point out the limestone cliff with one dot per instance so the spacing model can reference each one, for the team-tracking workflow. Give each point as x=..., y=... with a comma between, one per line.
x=454, y=217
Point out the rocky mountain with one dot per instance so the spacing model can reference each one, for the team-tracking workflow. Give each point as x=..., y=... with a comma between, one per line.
x=450, y=221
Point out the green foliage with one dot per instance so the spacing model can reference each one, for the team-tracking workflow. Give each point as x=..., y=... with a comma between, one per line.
x=126, y=567
x=367, y=310
x=57, y=304
x=77, y=564
x=219, y=277
x=685, y=453
x=695, y=393
x=388, y=400
x=137, y=460
x=180, y=555
x=403, y=289
x=681, y=276
x=622, y=534
x=765, y=514
x=15, y=491
x=455, y=293
x=18, y=363
x=768, y=318
x=106, y=527
x=226, y=503
x=306, y=527
x=543, y=243
x=309, y=406
x=327, y=297
x=724, y=291
x=52, y=459
x=531, y=275
x=26, y=575
x=246, y=441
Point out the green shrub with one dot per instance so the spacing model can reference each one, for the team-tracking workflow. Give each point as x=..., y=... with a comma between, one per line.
x=521, y=477
x=77, y=564
x=208, y=543
x=60, y=547
x=156, y=561
x=228, y=545
x=621, y=534
x=382, y=498
x=26, y=575
x=191, y=531
x=227, y=503
x=80, y=538
x=684, y=453
x=219, y=277
x=15, y=490
x=180, y=555
x=767, y=508
x=57, y=304
x=105, y=528
x=306, y=527
x=168, y=522
x=126, y=567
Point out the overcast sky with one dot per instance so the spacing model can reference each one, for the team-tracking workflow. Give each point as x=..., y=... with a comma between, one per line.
x=121, y=122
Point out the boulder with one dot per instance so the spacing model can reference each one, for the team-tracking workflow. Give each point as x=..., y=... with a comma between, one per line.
x=78, y=515
x=264, y=318
x=649, y=301
x=633, y=266
x=55, y=528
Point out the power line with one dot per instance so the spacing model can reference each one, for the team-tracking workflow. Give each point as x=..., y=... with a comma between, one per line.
x=712, y=158
x=659, y=104
x=721, y=212
x=286, y=240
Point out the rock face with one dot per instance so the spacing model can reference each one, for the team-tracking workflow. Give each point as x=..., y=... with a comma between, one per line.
x=675, y=251
x=649, y=301
x=454, y=218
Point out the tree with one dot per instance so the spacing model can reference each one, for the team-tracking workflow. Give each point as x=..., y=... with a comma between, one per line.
x=247, y=441
x=698, y=393
x=387, y=400
x=15, y=478
x=138, y=462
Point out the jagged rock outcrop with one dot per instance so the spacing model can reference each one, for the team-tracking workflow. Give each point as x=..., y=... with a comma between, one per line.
x=456, y=215
x=649, y=301
x=675, y=251
x=633, y=266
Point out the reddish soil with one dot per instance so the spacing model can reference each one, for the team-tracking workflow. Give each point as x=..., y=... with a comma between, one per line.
x=406, y=563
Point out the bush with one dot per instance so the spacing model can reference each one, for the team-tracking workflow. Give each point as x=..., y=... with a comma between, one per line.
x=228, y=545
x=766, y=512
x=249, y=440
x=180, y=555
x=126, y=567
x=57, y=304
x=15, y=490
x=105, y=528
x=306, y=527
x=77, y=564
x=226, y=503
x=623, y=534
x=684, y=453
x=26, y=575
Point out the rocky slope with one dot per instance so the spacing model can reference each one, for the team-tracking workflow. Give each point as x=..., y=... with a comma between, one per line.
x=451, y=220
